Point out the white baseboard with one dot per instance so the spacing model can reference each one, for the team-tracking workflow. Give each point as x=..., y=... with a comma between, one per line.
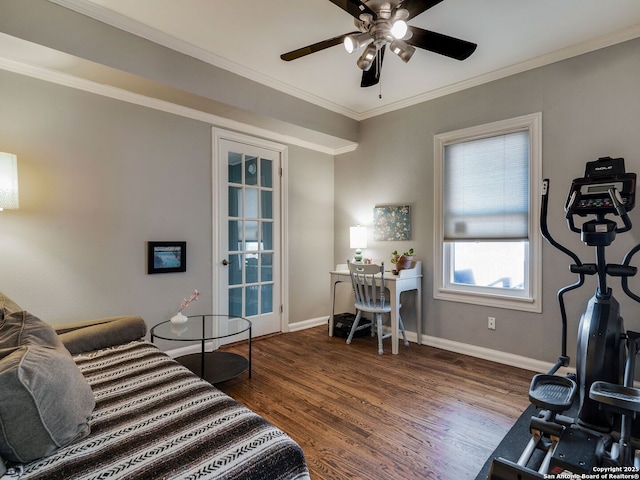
x=312, y=322
x=488, y=354
x=452, y=346
x=189, y=349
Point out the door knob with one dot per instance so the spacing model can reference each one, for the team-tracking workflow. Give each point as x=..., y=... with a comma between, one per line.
x=225, y=262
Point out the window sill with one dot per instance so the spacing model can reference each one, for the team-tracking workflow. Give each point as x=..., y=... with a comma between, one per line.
x=525, y=304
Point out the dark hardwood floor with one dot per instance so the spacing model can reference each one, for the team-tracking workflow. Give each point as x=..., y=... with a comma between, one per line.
x=423, y=414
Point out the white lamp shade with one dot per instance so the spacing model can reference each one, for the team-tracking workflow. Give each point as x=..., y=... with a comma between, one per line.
x=8, y=180
x=358, y=237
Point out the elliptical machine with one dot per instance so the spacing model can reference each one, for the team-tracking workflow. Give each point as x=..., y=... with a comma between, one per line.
x=585, y=420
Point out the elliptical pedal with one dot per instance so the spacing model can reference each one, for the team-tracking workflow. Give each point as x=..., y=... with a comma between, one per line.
x=621, y=398
x=552, y=392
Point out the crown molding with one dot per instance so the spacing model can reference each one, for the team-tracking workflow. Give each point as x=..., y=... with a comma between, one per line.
x=109, y=17
x=121, y=22
x=547, y=59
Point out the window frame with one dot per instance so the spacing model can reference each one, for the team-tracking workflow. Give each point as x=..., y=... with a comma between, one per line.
x=443, y=287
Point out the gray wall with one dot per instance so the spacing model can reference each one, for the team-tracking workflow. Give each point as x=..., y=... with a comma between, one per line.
x=99, y=178
x=591, y=108
x=311, y=219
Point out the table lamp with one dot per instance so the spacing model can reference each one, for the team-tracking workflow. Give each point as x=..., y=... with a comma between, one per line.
x=358, y=240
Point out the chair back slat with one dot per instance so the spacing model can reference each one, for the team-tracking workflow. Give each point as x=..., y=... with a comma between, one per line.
x=369, y=289
x=363, y=277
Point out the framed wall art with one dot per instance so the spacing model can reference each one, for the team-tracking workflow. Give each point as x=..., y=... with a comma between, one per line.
x=392, y=222
x=166, y=257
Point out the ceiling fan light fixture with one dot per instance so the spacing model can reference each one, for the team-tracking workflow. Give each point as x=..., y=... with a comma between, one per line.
x=402, y=49
x=399, y=29
x=356, y=41
x=368, y=56
x=401, y=14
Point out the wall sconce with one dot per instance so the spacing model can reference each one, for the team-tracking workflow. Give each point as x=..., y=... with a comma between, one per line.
x=358, y=240
x=8, y=181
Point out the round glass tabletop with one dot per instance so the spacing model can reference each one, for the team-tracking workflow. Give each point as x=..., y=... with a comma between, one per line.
x=201, y=327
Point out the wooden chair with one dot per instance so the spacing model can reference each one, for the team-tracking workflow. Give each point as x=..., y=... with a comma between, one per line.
x=370, y=298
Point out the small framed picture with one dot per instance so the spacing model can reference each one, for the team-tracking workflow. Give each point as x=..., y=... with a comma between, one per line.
x=166, y=257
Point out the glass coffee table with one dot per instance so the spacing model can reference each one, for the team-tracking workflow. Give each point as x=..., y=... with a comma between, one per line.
x=215, y=366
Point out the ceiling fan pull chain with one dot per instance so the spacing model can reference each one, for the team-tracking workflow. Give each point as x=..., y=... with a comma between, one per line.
x=379, y=67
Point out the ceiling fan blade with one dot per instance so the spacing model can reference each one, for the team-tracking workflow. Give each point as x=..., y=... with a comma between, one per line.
x=442, y=44
x=371, y=77
x=316, y=47
x=354, y=7
x=416, y=7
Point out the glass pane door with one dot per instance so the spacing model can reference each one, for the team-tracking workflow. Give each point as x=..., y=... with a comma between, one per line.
x=248, y=176
x=250, y=190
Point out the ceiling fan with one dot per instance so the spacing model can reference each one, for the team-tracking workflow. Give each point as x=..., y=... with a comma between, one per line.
x=381, y=23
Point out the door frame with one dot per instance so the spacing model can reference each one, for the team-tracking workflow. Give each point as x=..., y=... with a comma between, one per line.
x=282, y=150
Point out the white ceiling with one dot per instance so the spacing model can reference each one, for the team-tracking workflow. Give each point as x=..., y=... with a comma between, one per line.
x=248, y=36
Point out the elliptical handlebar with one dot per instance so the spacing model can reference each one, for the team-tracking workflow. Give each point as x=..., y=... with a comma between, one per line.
x=618, y=204
x=569, y=208
x=544, y=229
x=624, y=280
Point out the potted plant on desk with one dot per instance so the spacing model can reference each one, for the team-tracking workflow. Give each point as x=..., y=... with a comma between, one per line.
x=404, y=261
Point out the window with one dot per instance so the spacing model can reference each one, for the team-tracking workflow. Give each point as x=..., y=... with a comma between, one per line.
x=487, y=248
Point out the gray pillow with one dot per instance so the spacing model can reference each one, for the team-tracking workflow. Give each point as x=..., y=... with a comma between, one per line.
x=23, y=328
x=7, y=306
x=45, y=402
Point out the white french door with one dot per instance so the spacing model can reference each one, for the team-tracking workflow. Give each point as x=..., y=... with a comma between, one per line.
x=247, y=257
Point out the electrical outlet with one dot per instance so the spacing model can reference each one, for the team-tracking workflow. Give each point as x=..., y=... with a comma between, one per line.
x=491, y=324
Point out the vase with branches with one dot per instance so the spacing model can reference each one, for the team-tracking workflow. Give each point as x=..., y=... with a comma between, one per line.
x=180, y=317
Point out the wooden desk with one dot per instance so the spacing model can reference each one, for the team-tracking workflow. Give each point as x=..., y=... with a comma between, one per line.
x=406, y=280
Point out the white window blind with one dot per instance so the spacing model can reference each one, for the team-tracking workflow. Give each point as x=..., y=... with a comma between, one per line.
x=486, y=188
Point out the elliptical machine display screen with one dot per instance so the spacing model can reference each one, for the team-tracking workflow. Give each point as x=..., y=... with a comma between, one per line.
x=591, y=194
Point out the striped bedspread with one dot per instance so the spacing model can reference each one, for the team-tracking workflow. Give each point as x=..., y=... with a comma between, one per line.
x=156, y=420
